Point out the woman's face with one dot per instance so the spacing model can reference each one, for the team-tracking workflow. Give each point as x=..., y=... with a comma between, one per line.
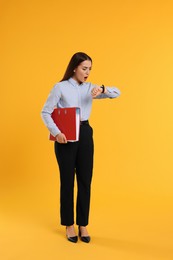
x=82, y=72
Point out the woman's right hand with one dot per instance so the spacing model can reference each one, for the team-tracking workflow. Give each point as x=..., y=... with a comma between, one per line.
x=61, y=138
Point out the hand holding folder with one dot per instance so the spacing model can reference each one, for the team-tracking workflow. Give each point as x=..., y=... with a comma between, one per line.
x=68, y=122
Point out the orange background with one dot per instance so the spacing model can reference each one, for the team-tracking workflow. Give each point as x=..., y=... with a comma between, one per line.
x=131, y=44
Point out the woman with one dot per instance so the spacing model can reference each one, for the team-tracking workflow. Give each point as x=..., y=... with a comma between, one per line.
x=75, y=157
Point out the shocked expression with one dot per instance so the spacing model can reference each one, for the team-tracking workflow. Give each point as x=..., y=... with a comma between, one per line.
x=82, y=71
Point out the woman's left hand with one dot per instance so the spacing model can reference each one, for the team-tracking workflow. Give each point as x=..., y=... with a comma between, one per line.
x=96, y=91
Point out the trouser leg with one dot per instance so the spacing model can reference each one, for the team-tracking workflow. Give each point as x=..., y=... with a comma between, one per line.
x=66, y=156
x=84, y=167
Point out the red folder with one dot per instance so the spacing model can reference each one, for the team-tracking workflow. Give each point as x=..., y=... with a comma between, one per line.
x=68, y=122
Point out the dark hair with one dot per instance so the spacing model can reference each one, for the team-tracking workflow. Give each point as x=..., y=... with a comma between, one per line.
x=76, y=59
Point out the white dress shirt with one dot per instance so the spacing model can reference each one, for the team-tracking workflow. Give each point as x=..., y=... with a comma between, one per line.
x=69, y=93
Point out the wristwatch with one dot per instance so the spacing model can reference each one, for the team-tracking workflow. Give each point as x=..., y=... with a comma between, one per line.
x=103, y=88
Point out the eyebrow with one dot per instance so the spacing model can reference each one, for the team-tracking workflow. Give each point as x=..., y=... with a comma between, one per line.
x=87, y=67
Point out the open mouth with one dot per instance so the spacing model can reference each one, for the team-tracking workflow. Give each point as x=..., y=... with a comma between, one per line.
x=85, y=78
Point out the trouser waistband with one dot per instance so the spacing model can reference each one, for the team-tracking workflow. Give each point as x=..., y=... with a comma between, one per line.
x=85, y=122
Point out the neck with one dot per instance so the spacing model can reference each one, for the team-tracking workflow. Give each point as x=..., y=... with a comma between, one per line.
x=78, y=82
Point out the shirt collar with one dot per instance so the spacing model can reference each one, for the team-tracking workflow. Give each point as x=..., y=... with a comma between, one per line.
x=74, y=82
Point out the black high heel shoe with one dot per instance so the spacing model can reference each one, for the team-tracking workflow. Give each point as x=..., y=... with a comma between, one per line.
x=71, y=239
x=85, y=239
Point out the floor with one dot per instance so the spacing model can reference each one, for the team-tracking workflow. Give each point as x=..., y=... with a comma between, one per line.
x=121, y=232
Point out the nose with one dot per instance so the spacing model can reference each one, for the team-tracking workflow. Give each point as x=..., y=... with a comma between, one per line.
x=88, y=72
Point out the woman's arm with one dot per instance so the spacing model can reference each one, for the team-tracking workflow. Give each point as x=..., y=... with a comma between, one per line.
x=105, y=92
x=48, y=108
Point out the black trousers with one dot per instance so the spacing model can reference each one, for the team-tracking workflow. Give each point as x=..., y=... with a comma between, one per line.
x=76, y=158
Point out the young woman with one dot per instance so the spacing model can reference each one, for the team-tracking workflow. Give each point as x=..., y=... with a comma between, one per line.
x=75, y=157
